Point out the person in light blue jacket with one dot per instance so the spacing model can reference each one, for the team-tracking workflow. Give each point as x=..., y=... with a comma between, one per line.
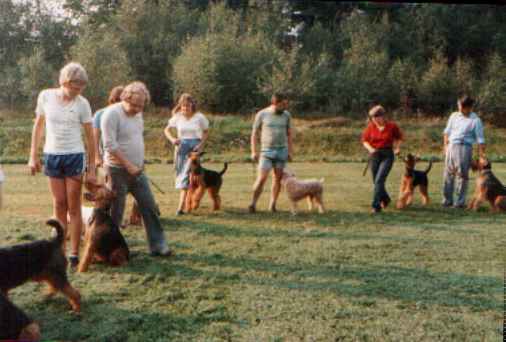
x=463, y=130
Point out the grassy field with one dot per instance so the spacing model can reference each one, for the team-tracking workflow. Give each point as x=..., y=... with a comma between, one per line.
x=422, y=274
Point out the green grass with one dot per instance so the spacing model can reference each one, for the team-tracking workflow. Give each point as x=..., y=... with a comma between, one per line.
x=421, y=274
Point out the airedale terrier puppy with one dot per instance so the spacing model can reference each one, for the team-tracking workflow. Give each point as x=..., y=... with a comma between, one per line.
x=298, y=189
x=411, y=179
x=15, y=324
x=103, y=239
x=488, y=187
x=202, y=179
x=41, y=261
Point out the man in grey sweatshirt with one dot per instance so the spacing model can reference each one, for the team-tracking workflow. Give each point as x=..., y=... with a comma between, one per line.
x=122, y=128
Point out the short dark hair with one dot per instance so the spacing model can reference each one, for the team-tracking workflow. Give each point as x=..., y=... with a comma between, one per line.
x=466, y=101
x=278, y=97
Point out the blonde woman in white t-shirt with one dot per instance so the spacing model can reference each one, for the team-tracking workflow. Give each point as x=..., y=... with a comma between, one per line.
x=192, y=130
x=63, y=112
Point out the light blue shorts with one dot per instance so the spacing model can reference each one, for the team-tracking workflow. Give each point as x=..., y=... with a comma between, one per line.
x=273, y=158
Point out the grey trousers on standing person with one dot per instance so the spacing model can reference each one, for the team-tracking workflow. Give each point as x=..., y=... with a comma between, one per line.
x=457, y=163
x=123, y=183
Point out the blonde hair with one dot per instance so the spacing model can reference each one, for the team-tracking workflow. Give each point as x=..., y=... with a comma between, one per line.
x=115, y=95
x=73, y=72
x=376, y=110
x=185, y=97
x=136, y=88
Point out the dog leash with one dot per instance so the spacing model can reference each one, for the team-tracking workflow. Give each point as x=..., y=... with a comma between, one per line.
x=156, y=186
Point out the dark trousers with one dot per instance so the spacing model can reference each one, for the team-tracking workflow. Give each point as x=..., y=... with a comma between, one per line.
x=381, y=164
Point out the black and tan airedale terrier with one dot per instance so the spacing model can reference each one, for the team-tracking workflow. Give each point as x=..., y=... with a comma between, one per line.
x=15, y=325
x=488, y=187
x=411, y=179
x=41, y=261
x=202, y=179
x=103, y=239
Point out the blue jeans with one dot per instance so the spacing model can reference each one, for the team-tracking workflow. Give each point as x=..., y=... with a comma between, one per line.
x=123, y=183
x=381, y=164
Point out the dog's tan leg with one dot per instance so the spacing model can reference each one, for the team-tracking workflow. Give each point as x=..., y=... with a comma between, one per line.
x=188, y=201
x=213, y=193
x=30, y=333
x=310, y=203
x=425, y=195
x=293, y=207
x=89, y=250
x=73, y=296
x=319, y=203
x=199, y=193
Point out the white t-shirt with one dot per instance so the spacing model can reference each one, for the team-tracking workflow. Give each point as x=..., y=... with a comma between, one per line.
x=63, y=122
x=189, y=128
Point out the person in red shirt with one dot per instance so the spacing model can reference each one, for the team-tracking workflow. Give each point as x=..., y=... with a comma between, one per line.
x=382, y=139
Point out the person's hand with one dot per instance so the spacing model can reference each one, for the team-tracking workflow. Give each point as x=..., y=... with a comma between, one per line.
x=397, y=150
x=91, y=177
x=34, y=165
x=176, y=142
x=98, y=161
x=254, y=156
x=134, y=170
x=199, y=148
x=372, y=150
x=290, y=157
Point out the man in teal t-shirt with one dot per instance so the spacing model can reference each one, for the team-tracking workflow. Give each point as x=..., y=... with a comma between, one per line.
x=275, y=125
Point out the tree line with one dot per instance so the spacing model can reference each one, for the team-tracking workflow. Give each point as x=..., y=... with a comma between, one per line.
x=232, y=54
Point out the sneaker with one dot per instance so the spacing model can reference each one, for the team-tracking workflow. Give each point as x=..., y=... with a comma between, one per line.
x=272, y=208
x=375, y=210
x=447, y=205
x=459, y=206
x=252, y=209
x=165, y=252
x=179, y=213
x=73, y=261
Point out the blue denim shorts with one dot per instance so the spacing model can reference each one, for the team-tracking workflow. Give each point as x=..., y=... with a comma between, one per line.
x=273, y=158
x=65, y=165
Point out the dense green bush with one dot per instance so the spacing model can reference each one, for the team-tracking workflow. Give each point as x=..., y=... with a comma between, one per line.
x=221, y=68
x=105, y=62
x=492, y=95
x=438, y=88
x=36, y=75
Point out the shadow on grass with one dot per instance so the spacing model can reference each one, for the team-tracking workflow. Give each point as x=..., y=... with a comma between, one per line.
x=410, y=285
x=294, y=231
x=102, y=320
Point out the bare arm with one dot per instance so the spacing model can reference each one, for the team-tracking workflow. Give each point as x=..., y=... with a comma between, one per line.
x=172, y=138
x=37, y=131
x=289, y=134
x=481, y=150
x=96, y=139
x=445, y=142
x=205, y=135
x=368, y=147
x=397, y=146
x=253, y=142
x=90, y=142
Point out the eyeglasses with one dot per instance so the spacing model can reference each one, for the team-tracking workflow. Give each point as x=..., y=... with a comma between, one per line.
x=135, y=105
x=377, y=115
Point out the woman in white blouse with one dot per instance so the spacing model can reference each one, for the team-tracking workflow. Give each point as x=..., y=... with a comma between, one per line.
x=63, y=112
x=191, y=134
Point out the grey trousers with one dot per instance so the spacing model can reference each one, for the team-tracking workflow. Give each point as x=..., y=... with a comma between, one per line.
x=123, y=183
x=457, y=163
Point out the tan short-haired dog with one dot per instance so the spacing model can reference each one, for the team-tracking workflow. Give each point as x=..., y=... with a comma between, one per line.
x=312, y=189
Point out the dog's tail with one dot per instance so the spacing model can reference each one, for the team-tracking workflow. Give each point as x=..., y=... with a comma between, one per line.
x=60, y=232
x=225, y=167
x=428, y=167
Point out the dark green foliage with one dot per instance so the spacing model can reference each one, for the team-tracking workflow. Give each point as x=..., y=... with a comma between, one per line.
x=232, y=54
